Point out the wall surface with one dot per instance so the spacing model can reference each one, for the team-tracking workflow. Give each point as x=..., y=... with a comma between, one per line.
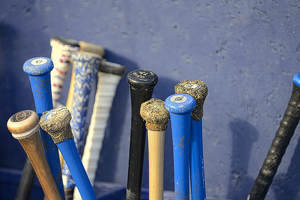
x=247, y=52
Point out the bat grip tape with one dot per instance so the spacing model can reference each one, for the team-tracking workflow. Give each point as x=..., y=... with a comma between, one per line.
x=279, y=145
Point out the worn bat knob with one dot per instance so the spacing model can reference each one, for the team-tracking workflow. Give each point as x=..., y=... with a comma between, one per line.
x=56, y=123
x=155, y=114
x=197, y=89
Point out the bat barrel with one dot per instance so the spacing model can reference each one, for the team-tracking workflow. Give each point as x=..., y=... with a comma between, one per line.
x=141, y=84
x=197, y=89
x=279, y=145
x=24, y=127
x=156, y=116
x=38, y=70
x=57, y=123
x=60, y=55
x=180, y=107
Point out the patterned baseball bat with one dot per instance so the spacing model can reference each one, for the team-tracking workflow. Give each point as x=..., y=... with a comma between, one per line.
x=86, y=47
x=278, y=147
x=24, y=126
x=85, y=66
x=156, y=116
x=180, y=107
x=142, y=84
x=38, y=70
x=60, y=56
x=109, y=76
x=57, y=123
x=198, y=90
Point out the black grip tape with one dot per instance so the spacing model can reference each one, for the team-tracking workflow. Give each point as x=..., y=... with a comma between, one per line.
x=277, y=150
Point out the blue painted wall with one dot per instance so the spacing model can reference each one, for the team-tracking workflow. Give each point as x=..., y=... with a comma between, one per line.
x=245, y=51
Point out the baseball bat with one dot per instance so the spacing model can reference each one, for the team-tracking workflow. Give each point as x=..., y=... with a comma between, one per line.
x=85, y=66
x=141, y=84
x=109, y=76
x=24, y=126
x=60, y=56
x=180, y=107
x=86, y=47
x=278, y=147
x=156, y=117
x=38, y=70
x=57, y=123
x=197, y=89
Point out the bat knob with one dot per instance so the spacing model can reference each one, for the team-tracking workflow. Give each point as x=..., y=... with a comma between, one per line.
x=155, y=114
x=38, y=66
x=64, y=43
x=180, y=103
x=142, y=78
x=91, y=47
x=23, y=124
x=197, y=89
x=297, y=79
x=56, y=123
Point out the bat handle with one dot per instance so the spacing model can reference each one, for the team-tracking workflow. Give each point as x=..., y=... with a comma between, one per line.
x=57, y=123
x=24, y=127
x=197, y=89
x=180, y=107
x=278, y=147
x=142, y=84
x=71, y=157
x=156, y=116
x=38, y=70
x=60, y=55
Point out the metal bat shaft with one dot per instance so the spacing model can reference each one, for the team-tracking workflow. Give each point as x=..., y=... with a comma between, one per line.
x=180, y=107
x=38, y=70
x=156, y=116
x=278, y=147
x=141, y=83
x=197, y=89
x=60, y=55
x=85, y=66
x=24, y=127
x=57, y=123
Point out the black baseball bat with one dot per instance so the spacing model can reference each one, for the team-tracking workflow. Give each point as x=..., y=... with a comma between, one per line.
x=141, y=83
x=281, y=141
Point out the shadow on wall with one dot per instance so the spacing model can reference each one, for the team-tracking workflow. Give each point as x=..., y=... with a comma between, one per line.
x=286, y=186
x=243, y=137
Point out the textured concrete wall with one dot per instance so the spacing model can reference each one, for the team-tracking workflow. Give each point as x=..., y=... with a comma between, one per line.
x=245, y=51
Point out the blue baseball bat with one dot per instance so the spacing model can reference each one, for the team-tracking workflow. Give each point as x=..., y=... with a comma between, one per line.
x=57, y=123
x=180, y=107
x=198, y=90
x=38, y=70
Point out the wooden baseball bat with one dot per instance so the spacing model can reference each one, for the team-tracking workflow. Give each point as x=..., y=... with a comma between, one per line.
x=180, y=107
x=60, y=56
x=279, y=145
x=38, y=70
x=142, y=84
x=197, y=89
x=57, y=123
x=156, y=116
x=109, y=76
x=24, y=126
x=85, y=66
